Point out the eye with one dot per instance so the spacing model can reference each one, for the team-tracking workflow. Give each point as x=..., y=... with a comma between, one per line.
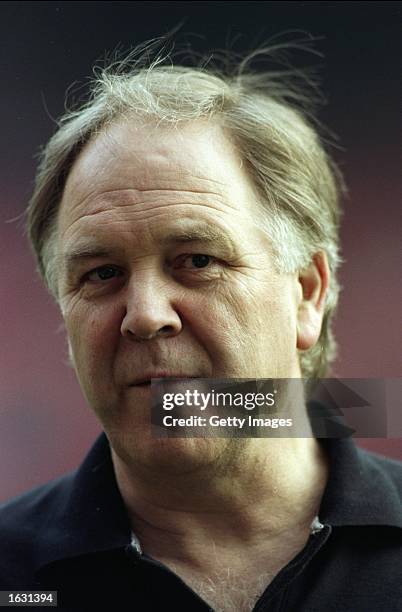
x=198, y=260
x=103, y=274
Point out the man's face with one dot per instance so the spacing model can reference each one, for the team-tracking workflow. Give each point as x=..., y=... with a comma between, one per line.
x=164, y=271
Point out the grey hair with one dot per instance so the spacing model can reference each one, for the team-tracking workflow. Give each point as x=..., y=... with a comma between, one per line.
x=262, y=112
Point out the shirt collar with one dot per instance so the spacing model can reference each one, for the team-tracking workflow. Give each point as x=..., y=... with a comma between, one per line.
x=88, y=514
x=361, y=490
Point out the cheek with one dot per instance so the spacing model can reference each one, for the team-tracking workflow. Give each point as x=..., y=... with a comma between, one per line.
x=262, y=317
x=251, y=306
x=93, y=333
x=226, y=321
x=278, y=324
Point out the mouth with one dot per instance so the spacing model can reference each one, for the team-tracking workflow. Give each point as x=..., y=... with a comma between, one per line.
x=145, y=383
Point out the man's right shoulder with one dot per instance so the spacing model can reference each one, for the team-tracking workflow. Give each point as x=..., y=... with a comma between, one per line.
x=24, y=522
x=31, y=505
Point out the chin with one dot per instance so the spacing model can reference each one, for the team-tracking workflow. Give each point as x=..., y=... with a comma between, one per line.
x=143, y=451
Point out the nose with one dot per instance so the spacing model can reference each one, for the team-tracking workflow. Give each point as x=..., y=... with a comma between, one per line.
x=150, y=312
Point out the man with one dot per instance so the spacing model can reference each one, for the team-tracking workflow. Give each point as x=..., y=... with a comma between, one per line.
x=186, y=223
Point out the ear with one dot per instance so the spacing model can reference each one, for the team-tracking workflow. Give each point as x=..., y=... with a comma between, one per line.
x=314, y=282
x=70, y=354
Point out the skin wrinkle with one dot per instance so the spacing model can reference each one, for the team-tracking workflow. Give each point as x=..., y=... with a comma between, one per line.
x=90, y=261
x=196, y=233
x=136, y=214
x=134, y=200
x=232, y=258
x=218, y=275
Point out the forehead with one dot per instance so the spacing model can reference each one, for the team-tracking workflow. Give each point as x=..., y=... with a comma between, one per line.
x=197, y=160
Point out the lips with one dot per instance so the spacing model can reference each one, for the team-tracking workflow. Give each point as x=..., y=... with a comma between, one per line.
x=145, y=380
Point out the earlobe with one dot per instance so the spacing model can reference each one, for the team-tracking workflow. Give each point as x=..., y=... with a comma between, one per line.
x=70, y=354
x=314, y=282
x=308, y=327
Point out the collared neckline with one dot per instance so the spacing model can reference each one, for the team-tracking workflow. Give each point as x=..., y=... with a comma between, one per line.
x=361, y=490
x=89, y=515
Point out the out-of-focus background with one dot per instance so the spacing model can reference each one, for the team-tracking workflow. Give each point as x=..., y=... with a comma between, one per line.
x=45, y=426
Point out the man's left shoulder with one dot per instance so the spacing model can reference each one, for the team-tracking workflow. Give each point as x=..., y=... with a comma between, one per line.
x=378, y=490
x=382, y=468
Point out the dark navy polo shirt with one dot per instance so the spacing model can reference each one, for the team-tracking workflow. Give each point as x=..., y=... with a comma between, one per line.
x=73, y=536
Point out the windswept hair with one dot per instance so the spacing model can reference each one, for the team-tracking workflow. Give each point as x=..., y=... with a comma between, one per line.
x=266, y=116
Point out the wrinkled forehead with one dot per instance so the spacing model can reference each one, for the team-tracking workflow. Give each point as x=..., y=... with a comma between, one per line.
x=197, y=157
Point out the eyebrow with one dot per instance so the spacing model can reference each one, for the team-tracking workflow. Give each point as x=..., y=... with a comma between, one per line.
x=200, y=233
x=197, y=233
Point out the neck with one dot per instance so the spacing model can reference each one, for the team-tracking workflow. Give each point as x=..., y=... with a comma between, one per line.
x=265, y=490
